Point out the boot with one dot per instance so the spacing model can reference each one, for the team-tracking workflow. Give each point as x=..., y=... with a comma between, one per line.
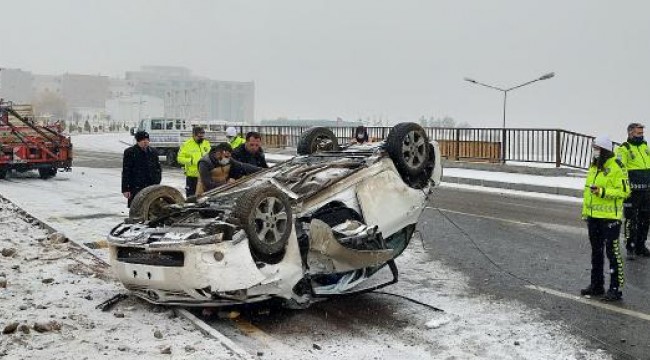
x=643, y=251
x=592, y=291
x=613, y=295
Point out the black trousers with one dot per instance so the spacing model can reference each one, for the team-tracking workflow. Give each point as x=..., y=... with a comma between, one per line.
x=190, y=186
x=603, y=235
x=637, y=220
x=134, y=192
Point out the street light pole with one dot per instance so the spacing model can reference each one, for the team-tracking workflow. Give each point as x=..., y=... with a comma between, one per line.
x=505, y=98
x=505, y=91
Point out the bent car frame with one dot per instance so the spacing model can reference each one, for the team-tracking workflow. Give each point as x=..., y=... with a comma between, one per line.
x=318, y=225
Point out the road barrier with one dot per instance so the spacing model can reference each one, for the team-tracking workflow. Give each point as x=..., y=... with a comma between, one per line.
x=550, y=146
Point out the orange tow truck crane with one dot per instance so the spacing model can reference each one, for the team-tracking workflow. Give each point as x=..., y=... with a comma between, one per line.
x=26, y=145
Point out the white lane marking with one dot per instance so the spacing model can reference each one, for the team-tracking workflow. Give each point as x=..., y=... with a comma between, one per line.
x=227, y=343
x=595, y=303
x=483, y=216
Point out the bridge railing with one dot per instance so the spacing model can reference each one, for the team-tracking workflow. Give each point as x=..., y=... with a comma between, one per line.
x=551, y=146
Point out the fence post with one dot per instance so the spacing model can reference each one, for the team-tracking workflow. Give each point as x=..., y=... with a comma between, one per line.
x=457, y=144
x=504, y=146
x=558, y=153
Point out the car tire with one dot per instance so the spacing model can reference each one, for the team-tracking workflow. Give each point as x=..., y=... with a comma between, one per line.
x=170, y=158
x=265, y=216
x=408, y=146
x=152, y=202
x=46, y=173
x=317, y=139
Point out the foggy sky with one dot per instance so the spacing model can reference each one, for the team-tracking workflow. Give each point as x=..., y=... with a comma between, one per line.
x=397, y=60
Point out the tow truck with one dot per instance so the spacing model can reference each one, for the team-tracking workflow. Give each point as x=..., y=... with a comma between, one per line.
x=27, y=145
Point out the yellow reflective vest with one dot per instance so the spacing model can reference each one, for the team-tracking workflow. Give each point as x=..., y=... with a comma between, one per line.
x=236, y=142
x=636, y=159
x=189, y=155
x=614, y=189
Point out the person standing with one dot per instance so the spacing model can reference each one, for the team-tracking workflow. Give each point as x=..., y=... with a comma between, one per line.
x=140, y=167
x=251, y=152
x=635, y=155
x=234, y=139
x=190, y=153
x=606, y=188
x=361, y=135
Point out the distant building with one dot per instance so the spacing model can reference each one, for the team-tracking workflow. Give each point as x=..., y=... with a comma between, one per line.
x=87, y=91
x=193, y=97
x=16, y=85
x=45, y=84
x=129, y=110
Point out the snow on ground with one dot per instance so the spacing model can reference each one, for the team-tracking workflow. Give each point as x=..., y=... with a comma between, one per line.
x=108, y=142
x=471, y=327
x=85, y=203
x=49, y=290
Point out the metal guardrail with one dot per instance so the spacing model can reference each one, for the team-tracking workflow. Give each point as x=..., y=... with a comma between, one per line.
x=551, y=146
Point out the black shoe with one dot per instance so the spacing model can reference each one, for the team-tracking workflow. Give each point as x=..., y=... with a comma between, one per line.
x=613, y=295
x=643, y=251
x=592, y=291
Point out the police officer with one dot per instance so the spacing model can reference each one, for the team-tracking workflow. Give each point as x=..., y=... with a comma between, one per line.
x=234, y=139
x=190, y=153
x=606, y=188
x=634, y=154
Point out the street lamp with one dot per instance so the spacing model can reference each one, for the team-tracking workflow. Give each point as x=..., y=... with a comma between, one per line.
x=505, y=91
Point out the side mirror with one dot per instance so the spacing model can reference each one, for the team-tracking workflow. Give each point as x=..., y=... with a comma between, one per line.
x=132, y=131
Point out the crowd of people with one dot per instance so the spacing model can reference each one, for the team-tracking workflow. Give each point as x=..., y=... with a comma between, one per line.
x=206, y=166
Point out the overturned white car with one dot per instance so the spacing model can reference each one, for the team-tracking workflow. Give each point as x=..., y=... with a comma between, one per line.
x=318, y=225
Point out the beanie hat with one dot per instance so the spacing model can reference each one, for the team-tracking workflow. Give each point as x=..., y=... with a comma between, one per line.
x=604, y=142
x=231, y=131
x=141, y=135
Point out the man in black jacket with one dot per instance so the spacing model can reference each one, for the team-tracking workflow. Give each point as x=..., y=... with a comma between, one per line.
x=251, y=152
x=140, y=167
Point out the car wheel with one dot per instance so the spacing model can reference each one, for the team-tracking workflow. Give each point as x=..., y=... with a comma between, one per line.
x=170, y=158
x=46, y=173
x=317, y=139
x=408, y=146
x=266, y=217
x=153, y=202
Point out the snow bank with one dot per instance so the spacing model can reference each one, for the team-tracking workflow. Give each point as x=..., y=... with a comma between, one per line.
x=49, y=289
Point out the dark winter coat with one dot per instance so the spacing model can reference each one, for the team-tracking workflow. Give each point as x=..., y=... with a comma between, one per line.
x=140, y=168
x=258, y=159
x=213, y=174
